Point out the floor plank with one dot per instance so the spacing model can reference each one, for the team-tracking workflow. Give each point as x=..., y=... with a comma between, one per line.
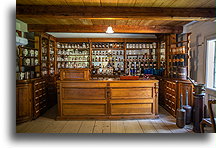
x=160, y=126
x=55, y=127
x=132, y=126
x=22, y=128
x=166, y=123
x=147, y=126
x=87, y=127
x=102, y=127
x=71, y=127
x=117, y=127
x=37, y=126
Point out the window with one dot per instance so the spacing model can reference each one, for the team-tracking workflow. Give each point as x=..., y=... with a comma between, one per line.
x=211, y=64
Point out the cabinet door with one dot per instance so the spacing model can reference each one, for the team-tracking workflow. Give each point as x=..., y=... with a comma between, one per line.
x=83, y=100
x=23, y=102
x=128, y=101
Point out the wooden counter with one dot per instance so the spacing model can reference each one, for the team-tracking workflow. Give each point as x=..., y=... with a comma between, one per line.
x=106, y=99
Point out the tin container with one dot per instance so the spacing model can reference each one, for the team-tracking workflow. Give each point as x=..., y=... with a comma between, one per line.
x=182, y=73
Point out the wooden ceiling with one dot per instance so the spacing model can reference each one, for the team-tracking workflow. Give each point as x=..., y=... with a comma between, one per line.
x=128, y=3
x=125, y=16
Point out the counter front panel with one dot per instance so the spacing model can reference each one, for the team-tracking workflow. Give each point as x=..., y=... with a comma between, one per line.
x=107, y=99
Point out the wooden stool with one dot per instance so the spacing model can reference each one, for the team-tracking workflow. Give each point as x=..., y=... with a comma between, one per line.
x=209, y=121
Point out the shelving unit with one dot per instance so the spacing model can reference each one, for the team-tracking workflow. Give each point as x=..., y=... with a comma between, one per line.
x=107, y=57
x=44, y=55
x=51, y=57
x=73, y=55
x=36, y=90
x=27, y=59
x=178, y=56
x=177, y=67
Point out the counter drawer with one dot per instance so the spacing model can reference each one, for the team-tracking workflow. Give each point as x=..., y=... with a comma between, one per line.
x=83, y=85
x=123, y=109
x=125, y=84
x=130, y=93
x=84, y=109
x=83, y=93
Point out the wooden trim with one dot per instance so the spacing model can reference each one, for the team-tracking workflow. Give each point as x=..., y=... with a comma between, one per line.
x=103, y=28
x=72, y=40
x=95, y=12
x=90, y=40
x=113, y=117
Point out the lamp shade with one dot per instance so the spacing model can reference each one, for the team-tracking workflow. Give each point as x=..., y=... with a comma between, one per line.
x=109, y=30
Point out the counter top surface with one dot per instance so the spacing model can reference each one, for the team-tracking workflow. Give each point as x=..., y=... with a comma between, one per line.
x=112, y=80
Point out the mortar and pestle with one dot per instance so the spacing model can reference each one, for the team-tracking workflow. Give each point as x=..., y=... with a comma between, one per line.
x=199, y=89
x=198, y=108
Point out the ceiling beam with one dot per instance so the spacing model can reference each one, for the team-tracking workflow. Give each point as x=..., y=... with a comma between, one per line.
x=94, y=12
x=103, y=28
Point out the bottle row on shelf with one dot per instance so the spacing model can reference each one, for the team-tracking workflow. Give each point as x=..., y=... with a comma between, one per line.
x=141, y=52
x=107, y=59
x=72, y=45
x=27, y=75
x=178, y=60
x=141, y=64
x=142, y=72
x=44, y=57
x=142, y=45
x=72, y=58
x=28, y=53
x=30, y=62
x=73, y=65
x=108, y=45
x=178, y=72
x=51, y=50
x=44, y=71
x=178, y=50
x=108, y=69
x=107, y=52
x=72, y=52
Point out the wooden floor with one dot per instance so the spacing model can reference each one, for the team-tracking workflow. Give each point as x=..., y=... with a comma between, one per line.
x=47, y=124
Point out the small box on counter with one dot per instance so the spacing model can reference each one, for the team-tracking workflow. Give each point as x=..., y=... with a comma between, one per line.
x=129, y=77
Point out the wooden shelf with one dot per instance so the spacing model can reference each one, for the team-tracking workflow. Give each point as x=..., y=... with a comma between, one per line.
x=30, y=65
x=71, y=55
x=139, y=48
x=29, y=47
x=106, y=55
x=72, y=61
x=73, y=48
x=107, y=61
x=107, y=48
x=27, y=57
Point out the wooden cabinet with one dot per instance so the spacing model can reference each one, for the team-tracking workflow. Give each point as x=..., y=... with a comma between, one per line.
x=39, y=97
x=23, y=102
x=31, y=99
x=107, y=100
x=133, y=98
x=82, y=99
x=170, y=92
